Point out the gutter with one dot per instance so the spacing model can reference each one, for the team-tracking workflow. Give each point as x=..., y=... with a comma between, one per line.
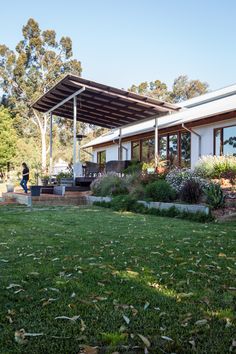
x=199, y=138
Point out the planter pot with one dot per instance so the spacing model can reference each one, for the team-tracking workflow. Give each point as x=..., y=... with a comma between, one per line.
x=10, y=188
x=35, y=191
x=151, y=170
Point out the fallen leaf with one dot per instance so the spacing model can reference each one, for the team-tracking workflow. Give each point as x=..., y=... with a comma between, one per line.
x=13, y=286
x=73, y=319
x=87, y=349
x=145, y=340
x=127, y=320
x=167, y=338
x=201, y=322
x=146, y=305
x=233, y=345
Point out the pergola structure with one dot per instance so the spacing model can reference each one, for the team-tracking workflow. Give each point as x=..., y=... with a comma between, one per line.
x=98, y=104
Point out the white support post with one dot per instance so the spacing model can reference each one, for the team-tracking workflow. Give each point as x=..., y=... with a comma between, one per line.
x=50, y=152
x=74, y=134
x=120, y=146
x=156, y=142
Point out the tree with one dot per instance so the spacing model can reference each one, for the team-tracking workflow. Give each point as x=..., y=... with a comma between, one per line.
x=37, y=62
x=182, y=89
x=7, y=138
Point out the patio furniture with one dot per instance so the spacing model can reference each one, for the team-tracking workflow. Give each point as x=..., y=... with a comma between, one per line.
x=91, y=169
x=117, y=166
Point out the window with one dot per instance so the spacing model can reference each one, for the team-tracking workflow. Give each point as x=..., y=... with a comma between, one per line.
x=175, y=148
x=225, y=141
x=101, y=157
x=148, y=149
x=185, y=149
x=163, y=147
x=135, y=150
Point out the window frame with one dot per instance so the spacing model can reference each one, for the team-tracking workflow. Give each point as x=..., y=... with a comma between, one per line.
x=99, y=157
x=221, y=138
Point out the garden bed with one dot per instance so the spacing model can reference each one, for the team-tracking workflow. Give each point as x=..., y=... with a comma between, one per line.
x=190, y=208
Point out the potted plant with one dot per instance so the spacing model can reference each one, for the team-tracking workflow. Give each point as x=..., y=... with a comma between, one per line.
x=149, y=167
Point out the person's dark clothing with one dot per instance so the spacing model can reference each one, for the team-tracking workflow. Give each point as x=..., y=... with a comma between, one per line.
x=25, y=178
x=26, y=170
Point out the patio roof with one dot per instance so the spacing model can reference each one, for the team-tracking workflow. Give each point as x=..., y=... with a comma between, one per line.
x=99, y=104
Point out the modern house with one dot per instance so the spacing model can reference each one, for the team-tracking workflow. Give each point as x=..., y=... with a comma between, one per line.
x=205, y=125
x=142, y=128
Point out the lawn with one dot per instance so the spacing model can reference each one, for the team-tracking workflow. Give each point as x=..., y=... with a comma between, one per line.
x=124, y=283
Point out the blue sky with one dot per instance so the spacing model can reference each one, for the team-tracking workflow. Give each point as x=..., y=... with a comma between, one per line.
x=121, y=42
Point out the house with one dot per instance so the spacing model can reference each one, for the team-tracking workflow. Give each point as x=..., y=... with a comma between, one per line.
x=204, y=125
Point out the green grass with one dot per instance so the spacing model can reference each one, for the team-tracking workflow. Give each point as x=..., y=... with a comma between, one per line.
x=162, y=274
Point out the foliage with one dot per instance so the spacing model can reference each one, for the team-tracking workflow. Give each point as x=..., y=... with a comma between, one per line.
x=183, y=89
x=8, y=138
x=61, y=175
x=37, y=62
x=215, y=196
x=160, y=191
x=125, y=203
x=178, y=177
x=191, y=191
x=109, y=184
x=134, y=168
x=215, y=166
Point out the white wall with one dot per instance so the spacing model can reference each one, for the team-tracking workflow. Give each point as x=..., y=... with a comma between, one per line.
x=207, y=139
x=207, y=143
x=111, y=152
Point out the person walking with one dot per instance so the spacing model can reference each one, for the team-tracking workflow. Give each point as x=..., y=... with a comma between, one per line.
x=25, y=177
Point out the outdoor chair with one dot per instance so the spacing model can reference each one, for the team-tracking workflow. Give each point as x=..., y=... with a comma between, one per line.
x=117, y=166
x=91, y=169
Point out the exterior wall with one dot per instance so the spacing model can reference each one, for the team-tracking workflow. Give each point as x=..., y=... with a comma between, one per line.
x=112, y=152
x=207, y=139
x=207, y=143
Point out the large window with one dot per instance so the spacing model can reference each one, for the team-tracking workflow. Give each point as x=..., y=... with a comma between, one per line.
x=101, y=157
x=148, y=149
x=135, y=150
x=173, y=148
x=225, y=141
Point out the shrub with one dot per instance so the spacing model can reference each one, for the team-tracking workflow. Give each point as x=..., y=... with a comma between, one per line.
x=178, y=177
x=63, y=175
x=134, y=168
x=160, y=191
x=191, y=191
x=124, y=203
x=109, y=184
x=215, y=166
x=215, y=196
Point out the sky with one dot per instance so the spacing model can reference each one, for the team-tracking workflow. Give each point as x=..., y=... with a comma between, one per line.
x=125, y=42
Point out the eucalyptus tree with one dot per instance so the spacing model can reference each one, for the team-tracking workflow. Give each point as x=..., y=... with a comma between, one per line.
x=38, y=60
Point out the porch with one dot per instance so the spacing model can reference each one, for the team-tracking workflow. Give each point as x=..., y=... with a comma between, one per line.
x=100, y=105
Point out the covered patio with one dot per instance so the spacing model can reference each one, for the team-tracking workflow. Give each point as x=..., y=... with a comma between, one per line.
x=101, y=105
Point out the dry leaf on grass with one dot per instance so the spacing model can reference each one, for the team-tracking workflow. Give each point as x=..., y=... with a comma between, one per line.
x=20, y=336
x=167, y=338
x=73, y=319
x=201, y=322
x=145, y=340
x=127, y=320
x=87, y=349
x=13, y=286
